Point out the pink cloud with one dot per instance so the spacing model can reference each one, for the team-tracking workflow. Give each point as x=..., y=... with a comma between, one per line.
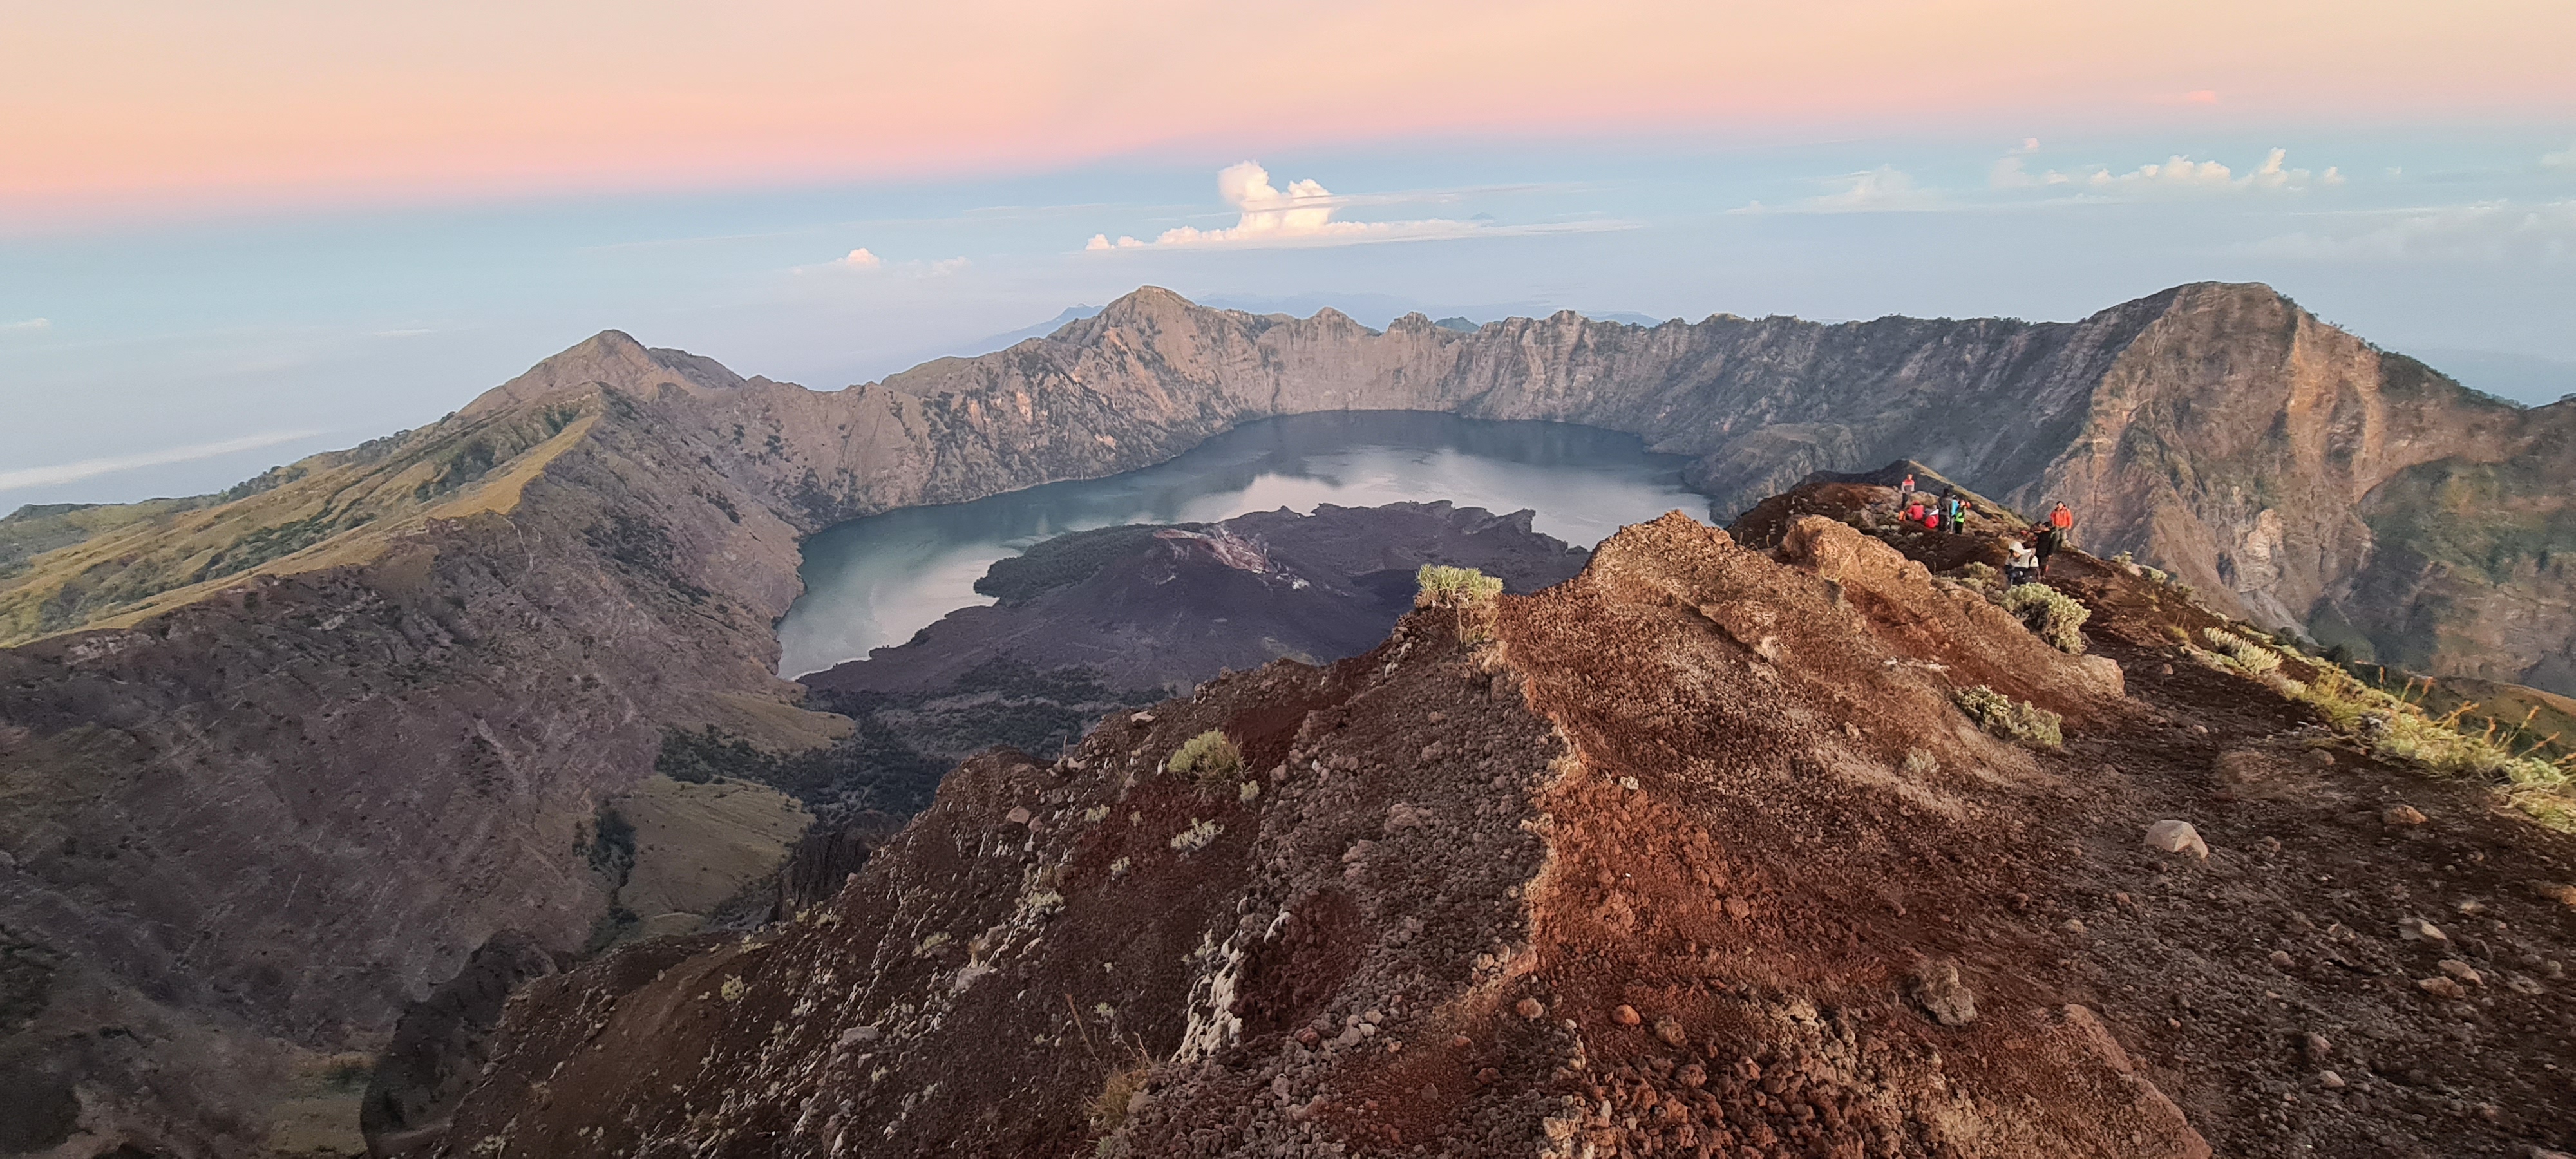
x=161, y=104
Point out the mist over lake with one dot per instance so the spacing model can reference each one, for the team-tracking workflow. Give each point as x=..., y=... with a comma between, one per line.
x=873, y=582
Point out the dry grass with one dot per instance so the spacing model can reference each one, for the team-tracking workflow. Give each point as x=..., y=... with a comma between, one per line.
x=2018, y=721
x=1464, y=590
x=1207, y=756
x=1109, y=1107
x=1454, y=587
x=2245, y=655
x=2392, y=728
x=1197, y=836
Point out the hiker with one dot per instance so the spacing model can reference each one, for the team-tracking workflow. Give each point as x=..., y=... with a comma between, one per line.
x=1914, y=512
x=2062, y=521
x=1954, y=514
x=2051, y=541
x=2021, y=564
x=1932, y=518
x=1907, y=488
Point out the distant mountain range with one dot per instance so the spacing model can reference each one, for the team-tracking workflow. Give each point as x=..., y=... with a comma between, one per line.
x=1377, y=310
x=2523, y=378
x=1041, y=330
x=280, y=760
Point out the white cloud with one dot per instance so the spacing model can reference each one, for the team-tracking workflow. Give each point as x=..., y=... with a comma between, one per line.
x=865, y=260
x=89, y=468
x=1303, y=211
x=1302, y=215
x=2175, y=175
x=1886, y=189
x=2562, y=159
x=2272, y=174
x=1883, y=188
x=30, y=324
x=2486, y=231
x=2177, y=172
x=2008, y=172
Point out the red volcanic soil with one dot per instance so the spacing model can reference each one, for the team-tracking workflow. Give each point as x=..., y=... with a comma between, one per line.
x=1689, y=855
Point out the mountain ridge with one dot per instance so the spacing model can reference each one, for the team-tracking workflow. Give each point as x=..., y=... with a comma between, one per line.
x=448, y=648
x=1714, y=849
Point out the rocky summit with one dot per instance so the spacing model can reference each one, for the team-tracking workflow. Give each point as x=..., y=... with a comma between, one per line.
x=1707, y=851
x=387, y=728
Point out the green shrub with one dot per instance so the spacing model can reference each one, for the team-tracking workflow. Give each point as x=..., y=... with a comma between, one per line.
x=1980, y=576
x=1207, y=756
x=1454, y=587
x=2018, y=721
x=2057, y=617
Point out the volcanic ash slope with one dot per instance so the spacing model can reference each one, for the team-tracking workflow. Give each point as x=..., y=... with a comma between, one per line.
x=1636, y=857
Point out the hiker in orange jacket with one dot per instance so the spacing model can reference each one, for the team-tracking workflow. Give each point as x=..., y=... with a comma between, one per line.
x=2053, y=537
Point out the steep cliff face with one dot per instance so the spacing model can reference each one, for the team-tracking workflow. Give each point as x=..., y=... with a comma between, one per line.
x=2327, y=485
x=2283, y=465
x=1690, y=855
x=278, y=761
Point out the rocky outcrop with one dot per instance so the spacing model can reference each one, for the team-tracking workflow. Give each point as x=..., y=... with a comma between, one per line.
x=1689, y=855
x=278, y=761
x=1104, y=621
x=440, y=1046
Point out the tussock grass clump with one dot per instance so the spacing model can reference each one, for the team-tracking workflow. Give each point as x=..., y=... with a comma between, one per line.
x=1464, y=590
x=2055, y=616
x=2398, y=730
x=2393, y=729
x=2018, y=721
x=1109, y=1107
x=1454, y=587
x=1197, y=836
x=2245, y=655
x=1207, y=756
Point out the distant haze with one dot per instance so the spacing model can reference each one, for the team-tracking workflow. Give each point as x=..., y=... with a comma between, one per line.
x=232, y=236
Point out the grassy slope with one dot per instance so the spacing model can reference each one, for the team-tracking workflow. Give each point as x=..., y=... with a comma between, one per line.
x=111, y=566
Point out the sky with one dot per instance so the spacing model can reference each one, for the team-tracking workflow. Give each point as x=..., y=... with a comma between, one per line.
x=235, y=234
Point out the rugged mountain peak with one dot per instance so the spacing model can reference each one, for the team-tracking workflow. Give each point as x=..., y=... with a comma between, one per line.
x=1452, y=893
x=1147, y=303
x=608, y=358
x=1691, y=854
